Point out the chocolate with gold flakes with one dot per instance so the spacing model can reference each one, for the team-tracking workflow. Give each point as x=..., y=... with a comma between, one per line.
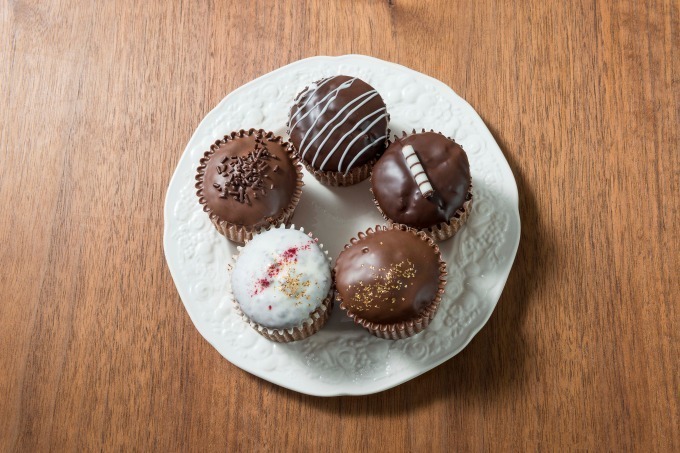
x=389, y=276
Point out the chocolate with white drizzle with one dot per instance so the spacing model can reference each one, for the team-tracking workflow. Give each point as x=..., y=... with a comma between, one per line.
x=338, y=124
x=397, y=192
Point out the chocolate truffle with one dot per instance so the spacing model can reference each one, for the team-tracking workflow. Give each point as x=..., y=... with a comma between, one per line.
x=390, y=280
x=339, y=127
x=247, y=181
x=281, y=281
x=423, y=181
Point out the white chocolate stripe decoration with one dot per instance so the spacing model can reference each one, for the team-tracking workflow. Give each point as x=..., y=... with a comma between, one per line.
x=417, y=171
x=349, y=167
x=303, y=148
x=310, y=94
x=333, y=93
x=384, y=115
x=344, y=137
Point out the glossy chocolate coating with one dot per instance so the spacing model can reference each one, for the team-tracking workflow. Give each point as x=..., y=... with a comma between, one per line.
x=397, y=193
x=388, y=277
x=318, y=129
x=261, y=208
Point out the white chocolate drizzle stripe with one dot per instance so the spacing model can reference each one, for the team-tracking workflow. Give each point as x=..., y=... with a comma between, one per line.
x=363, y=151
x=333, y=93
x=342, y=139
x=309, y=97
x=344, y=154
x=370, y=95
x=417, y=171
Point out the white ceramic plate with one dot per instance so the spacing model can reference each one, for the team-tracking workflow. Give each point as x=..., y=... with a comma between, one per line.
x=343, y=359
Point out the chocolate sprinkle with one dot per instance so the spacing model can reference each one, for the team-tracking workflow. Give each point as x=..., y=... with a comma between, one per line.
x=243, y=173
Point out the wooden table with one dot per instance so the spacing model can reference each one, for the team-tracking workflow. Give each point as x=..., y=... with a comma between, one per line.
x=98, y=100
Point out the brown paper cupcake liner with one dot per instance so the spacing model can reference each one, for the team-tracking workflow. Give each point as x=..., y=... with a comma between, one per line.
x=317, y=319
x=309, y=327
x=405, y=329
x=443, y=230
x=340, y=179
x=241, y=233
x=446, y=230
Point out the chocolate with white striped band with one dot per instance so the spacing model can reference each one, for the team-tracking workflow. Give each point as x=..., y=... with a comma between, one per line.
x=398, y=193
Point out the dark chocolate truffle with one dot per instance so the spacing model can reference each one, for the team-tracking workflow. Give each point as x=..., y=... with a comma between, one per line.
x=389, y=276
x=338, y=123
x=432, y=159
x=248, y=179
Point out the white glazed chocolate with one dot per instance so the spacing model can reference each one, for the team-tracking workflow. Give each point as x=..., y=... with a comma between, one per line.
x=280, y=277
x=417, y=171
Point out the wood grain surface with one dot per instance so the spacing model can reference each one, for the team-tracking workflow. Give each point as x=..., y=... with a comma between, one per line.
x=97, y=102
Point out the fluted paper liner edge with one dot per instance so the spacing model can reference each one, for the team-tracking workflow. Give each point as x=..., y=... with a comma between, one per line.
x=340, y=179
x=443, y=230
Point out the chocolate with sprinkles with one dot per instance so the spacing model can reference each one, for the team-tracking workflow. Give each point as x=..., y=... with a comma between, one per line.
x=243, y=173
x=238, y=183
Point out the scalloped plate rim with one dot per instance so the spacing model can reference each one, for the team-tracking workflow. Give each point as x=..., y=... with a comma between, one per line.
x=332, y=390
